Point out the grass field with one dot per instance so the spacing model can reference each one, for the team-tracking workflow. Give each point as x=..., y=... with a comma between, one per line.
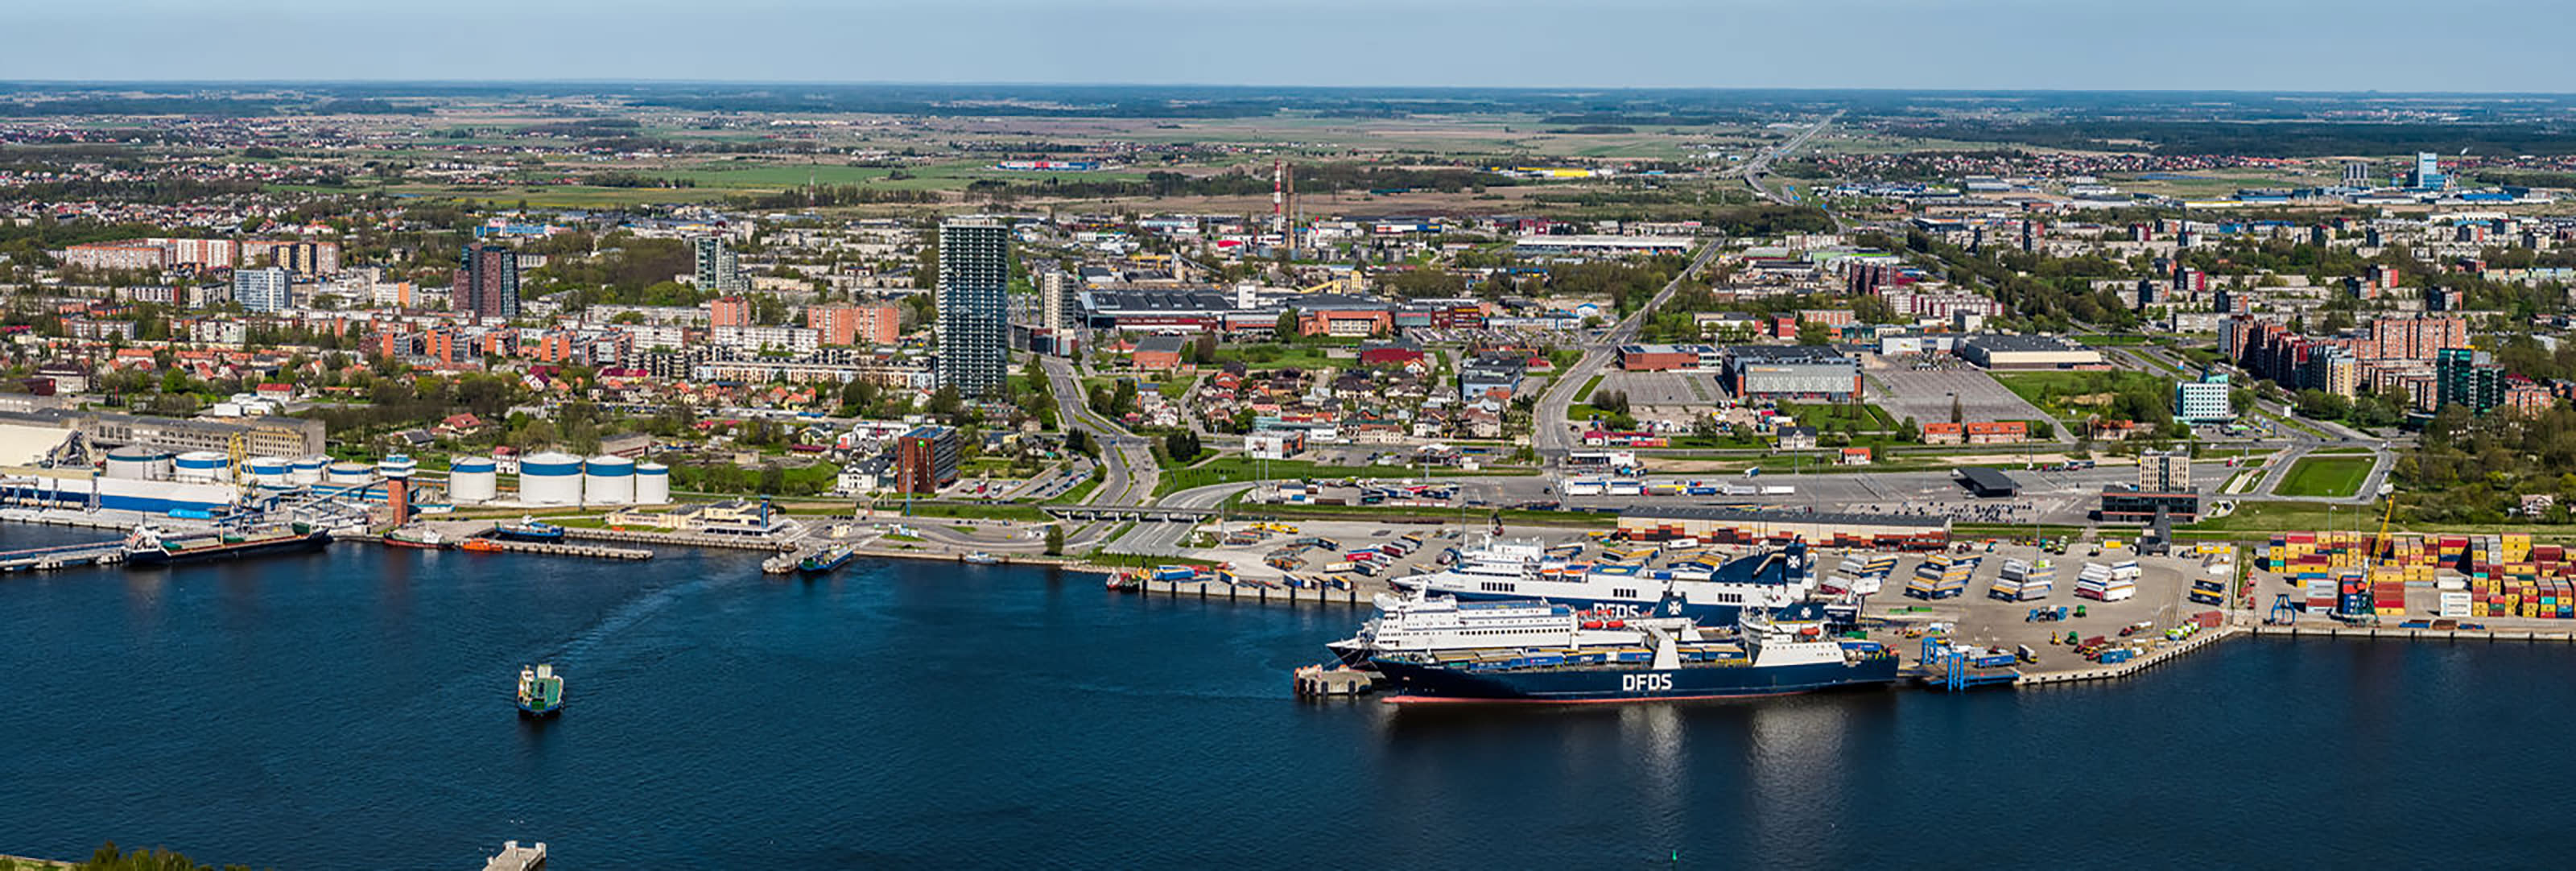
x=1840, y=416
x=2326, y=476
x=1588, y=387
x=1272, y=356
x=2057, y=392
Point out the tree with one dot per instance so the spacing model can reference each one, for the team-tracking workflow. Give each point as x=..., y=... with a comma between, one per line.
x=1286, y=329
x=1815, y=333
x=1183, y=446
x=1907, y=430
x=2040, y=429
x=1055, y=539
x=1957, y=414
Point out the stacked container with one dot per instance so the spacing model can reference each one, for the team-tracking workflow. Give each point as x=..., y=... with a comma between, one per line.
x=2098, y=582
x=2021, y=581
x=1941, y=576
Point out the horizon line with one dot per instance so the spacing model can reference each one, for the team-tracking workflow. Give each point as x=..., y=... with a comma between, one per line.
x=1877, y=89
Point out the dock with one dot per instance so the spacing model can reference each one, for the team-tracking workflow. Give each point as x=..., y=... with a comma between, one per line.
x=2150, y=659
x=63, y=557
x=517, y=858
x=680, y=539
x=1213, y=589
x=2339, y=630
x=583, y=550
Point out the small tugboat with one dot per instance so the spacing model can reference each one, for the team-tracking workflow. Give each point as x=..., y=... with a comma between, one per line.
x=826, y=560
x=540, y=691
x=528, y=529
x=426, y=539
x=981, y=558
x=479, y=545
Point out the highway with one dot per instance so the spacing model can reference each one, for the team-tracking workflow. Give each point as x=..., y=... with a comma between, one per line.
x=1551, y=432
x=1752, y=170
x=1126, y=457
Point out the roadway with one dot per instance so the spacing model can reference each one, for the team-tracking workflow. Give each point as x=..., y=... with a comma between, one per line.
x=1126, y=458
x=1551, y=433
x=1752, y=170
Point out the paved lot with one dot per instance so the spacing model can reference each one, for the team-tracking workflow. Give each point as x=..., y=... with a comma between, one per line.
x=1664, y=388
x=1925, y=395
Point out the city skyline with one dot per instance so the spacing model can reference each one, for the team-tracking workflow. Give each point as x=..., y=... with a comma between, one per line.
x=2192, y=45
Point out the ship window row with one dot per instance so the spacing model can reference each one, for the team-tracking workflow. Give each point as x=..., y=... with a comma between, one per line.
x=1623, y=594
x=1494, y=587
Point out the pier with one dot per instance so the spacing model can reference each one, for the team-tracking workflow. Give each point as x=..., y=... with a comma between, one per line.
x=2150, y=659
x=1222, y=590
x=1321, y=682
x=582, y=550
x=66, y=556
x=517, y=858
x=2338, y=630
x=680, y=539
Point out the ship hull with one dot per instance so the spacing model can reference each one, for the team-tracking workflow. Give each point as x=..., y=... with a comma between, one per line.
x=540, y=536
x=539, y=713
x=1418, y=683
x=158, y=556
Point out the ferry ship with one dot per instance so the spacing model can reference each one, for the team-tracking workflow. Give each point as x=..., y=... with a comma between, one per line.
x=827, y=560
x=529, y=529
x=540, y=691
x=148, y=545
x=1766, y=658
x=1716, y=595
x=1422, y=622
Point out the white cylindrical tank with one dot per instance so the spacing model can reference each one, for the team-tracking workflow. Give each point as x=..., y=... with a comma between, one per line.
x=133, y=463
x=550, y=478
x=652, y=483
x=199, y=467
x=269, y=471
x=473, y=480
x=608, y=480
x=306, y=471
x=345, y=474
x=397, y=466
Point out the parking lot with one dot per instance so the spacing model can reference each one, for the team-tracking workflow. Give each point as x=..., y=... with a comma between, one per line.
x=1664, y=388
x=1925, y=394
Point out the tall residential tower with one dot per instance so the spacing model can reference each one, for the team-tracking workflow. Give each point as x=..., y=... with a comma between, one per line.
x=974, y=283
x=487, y=282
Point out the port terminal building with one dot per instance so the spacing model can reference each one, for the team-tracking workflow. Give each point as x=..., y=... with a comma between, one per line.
x=1725, y=525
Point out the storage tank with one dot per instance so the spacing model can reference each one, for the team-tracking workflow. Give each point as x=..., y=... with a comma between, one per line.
x=652, y=483
x=473, y=480
x=347, y=474
x=306, y=471
x=269, y=471
x=608, y=480
x=397, y=466
x=136, y=463
x=550, y=478
x=199, y=467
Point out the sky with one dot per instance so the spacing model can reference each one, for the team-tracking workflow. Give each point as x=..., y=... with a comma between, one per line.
x=2312, y=45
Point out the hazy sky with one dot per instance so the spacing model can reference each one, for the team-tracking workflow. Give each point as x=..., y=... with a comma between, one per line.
x=2391, y=45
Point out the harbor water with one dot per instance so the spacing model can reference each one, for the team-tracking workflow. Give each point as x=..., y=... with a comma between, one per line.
x=352, y=709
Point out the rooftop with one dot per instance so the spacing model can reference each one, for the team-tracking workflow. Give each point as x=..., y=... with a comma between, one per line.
x=1756, y=515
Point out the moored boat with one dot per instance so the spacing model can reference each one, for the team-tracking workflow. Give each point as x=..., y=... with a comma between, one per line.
x=426, y=539
x=1766, y=658
x=148, y=545
x=826, y=560
x=529, y=529
x=480, y=545
x=980, y=558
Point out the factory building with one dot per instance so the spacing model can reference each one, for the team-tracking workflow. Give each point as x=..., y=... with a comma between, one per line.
x=2007, y=351
x=1790, y=372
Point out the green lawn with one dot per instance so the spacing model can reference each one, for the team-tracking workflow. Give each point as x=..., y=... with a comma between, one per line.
x=2325, y=476
x=2058, y=392
x=1839, y=416
x=1276, y=356
x=1588, y=386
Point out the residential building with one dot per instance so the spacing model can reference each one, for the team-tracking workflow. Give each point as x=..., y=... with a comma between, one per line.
x=487, y=282
x=870, y=323
x=2465, y=376
x=2207, y=400
x=926, y=460
x=718, y=269
x=729, y=311
x=2164, y=472
x=974, y=279
x=262, y=290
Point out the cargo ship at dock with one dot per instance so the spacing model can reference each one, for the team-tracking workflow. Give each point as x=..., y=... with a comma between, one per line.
x=1711, y=594
x=1428, y=623
x=529, y=529
x=827, y=560
x=148, y=545
x=1766, y=658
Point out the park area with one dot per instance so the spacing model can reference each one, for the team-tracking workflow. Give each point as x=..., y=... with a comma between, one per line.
x=2333, y=477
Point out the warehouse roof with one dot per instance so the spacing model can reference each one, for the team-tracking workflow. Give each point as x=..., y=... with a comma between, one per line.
x=1759, y=515
x=1786, y=354
x=1986, y=480
x=2018, y=342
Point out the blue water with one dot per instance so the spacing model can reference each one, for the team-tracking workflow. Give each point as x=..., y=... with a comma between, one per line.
x=351, y=710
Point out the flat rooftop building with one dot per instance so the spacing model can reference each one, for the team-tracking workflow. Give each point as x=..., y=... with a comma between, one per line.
x=1987, y=482
x=2008, y=351
x=1822, y=529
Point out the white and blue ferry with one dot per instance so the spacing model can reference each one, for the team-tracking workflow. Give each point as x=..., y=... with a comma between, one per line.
x=1716, y=595
x=1766, y=658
